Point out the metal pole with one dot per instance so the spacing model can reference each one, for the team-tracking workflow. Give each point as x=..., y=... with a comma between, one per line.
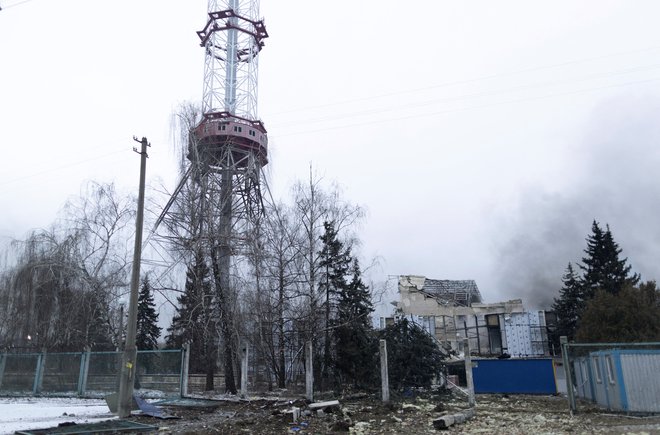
x=129, y=359
x=563, y=341
x=468, y=372
x=384, y=376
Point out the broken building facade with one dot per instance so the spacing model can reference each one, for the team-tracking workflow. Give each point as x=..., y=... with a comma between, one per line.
x=451, y=310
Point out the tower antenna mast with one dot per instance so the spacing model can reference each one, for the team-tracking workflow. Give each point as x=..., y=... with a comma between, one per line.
x=228, y=148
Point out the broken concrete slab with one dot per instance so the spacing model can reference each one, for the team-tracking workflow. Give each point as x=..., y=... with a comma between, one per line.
x=446, y=421
x=323, y=405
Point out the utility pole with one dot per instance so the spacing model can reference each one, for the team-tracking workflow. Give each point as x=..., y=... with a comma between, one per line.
x=129, y=359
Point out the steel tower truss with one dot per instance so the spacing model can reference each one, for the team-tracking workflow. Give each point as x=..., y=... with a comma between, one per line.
x=232, y=38
x=229, y=146
x=227, y=149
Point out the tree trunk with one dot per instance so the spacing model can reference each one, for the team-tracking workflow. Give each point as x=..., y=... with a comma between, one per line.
x=281, y=372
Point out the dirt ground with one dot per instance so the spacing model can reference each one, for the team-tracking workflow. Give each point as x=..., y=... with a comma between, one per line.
x=495, y=414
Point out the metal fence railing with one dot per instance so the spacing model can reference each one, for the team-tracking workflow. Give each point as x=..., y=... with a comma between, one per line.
x=89, y=374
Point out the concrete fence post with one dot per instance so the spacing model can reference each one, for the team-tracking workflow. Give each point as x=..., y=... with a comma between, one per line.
x=309, y=371
x=185, y=367
x=384, y=376
x=39, y=373
x=3, y=364
x=84, y=371
x=244, y=369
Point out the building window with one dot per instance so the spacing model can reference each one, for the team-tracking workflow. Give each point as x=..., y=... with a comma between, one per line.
x=610, y=370
x=493, y=320
x=599, y=377
x=386, y=321
x=222, y=127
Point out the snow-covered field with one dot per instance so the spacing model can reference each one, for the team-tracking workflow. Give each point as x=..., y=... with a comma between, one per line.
x=39, y=413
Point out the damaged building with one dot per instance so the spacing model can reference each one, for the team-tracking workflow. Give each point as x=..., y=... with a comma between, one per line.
x=451, y=310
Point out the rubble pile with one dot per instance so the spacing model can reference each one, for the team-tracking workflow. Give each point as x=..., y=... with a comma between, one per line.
x=423, y=414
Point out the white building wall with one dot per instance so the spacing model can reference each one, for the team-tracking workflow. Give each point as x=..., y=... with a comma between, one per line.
x=525, y=334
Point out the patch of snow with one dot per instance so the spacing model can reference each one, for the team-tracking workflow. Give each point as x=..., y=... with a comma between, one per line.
x=39, y=413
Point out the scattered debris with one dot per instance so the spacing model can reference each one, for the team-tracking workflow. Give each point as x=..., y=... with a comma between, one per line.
x=151, y=410
x=361, y=428
x=409, y=407
x=292, y=415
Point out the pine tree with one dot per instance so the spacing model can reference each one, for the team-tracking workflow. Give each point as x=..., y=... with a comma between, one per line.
x=602, y=267
x=357, y=346
x=194, y=321
x=570, y=304
x=413, y=358
x=334, y=263
x=148, y=330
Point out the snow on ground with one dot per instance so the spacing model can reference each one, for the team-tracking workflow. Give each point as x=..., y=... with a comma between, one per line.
x=40, y=413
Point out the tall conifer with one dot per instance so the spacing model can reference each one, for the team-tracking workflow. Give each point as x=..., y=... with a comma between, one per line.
x=194, y=321
x=148, y=330
x=602, y=267
x=356, y=342
x=569, y=305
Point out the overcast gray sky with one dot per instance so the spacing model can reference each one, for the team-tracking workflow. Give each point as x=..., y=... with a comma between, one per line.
x=482, y=137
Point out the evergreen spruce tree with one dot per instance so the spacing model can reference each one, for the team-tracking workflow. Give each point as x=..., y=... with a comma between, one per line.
x=413, y=357
x=357, y=346
x=194, y=320
x=602, y=267
x=334, y=263
x=148, y=330
x=569, y=305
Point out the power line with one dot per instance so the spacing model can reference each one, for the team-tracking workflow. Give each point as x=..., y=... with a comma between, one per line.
x=483, y=106
x=472, y=80
x=58, y=168
x=15, y=4
x=513, y=89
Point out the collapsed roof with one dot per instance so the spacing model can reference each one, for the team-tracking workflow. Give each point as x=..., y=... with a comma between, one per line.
x=447, y=292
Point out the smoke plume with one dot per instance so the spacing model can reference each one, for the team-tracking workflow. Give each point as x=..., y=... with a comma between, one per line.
x=617, y=183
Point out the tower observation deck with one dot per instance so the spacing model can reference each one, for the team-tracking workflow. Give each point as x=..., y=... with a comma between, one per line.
x=230, y=135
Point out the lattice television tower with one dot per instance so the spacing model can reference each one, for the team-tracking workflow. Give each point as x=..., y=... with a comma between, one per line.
x=228, y=148
x=219, y=196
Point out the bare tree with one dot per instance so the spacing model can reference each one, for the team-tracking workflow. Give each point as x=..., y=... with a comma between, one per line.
x=66, y=279
x=274, y=261
x=315, y=205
